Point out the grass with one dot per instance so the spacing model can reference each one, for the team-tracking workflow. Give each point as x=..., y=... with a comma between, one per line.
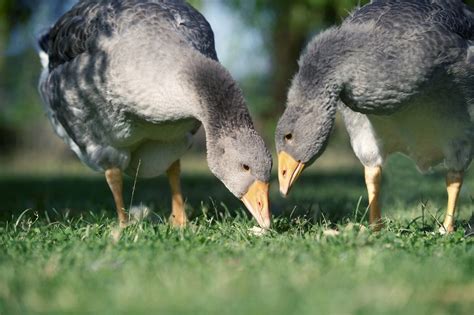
x=65, y=255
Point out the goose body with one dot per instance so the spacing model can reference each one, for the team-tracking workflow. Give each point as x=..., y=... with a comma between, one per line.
x=120, y=99
x=127, y=83
x=401, y=73
x=418, y=131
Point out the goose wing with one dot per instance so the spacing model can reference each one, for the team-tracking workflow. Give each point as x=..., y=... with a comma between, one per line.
x=411, y=43
x=451, y=15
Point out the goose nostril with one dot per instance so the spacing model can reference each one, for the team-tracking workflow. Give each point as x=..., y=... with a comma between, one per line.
x=283, y=173
x=259, y=204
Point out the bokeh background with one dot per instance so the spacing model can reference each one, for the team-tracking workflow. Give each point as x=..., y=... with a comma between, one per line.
x=259, y=41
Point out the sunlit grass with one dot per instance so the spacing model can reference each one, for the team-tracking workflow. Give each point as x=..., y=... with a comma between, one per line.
x=61, y=251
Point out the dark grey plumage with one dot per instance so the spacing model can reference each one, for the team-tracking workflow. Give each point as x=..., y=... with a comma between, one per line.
x=128, y=82
x=401, y=73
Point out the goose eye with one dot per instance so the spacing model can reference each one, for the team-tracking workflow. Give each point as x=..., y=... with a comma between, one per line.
x=245, y=167
x=289, y=137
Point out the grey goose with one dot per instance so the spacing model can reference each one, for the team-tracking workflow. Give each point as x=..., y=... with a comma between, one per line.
x=126, y=84
x=402, y=75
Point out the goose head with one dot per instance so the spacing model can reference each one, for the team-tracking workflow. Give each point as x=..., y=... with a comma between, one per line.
x=301, y=137
x=243, y=163
x=303, y=130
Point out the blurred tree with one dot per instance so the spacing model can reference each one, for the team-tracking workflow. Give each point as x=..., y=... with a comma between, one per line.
x=19, y=64
x=10, y=14
x=195, y=3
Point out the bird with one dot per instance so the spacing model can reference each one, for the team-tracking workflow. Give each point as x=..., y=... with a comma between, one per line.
x=127, y=83
x=401, y=74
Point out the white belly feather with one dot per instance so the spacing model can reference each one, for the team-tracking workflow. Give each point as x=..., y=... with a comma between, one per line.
x=427, y=136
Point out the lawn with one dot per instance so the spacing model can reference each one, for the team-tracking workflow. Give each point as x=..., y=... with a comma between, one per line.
x=61, y=251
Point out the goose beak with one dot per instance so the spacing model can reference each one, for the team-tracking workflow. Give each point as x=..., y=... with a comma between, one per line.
x=256, y=200
x=288, y=171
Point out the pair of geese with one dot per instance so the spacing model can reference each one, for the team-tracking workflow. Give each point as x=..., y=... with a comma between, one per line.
x=126, y=84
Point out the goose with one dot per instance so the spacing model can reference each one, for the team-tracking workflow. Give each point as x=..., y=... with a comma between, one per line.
x=401, y=74
x=127, y=83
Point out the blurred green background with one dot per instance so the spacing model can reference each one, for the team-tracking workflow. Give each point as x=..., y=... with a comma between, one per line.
x=258, y=40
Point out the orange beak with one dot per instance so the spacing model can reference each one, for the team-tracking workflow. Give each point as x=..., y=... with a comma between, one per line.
x=288, y=171
x=256, y=200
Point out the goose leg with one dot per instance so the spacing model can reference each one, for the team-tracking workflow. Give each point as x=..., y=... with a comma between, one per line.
x=178, y=214
x=454, y=182
x=115, y=181
x=373, y=178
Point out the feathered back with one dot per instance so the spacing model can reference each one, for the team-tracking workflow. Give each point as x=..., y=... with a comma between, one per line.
x=80, y=28
x=452, y=15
